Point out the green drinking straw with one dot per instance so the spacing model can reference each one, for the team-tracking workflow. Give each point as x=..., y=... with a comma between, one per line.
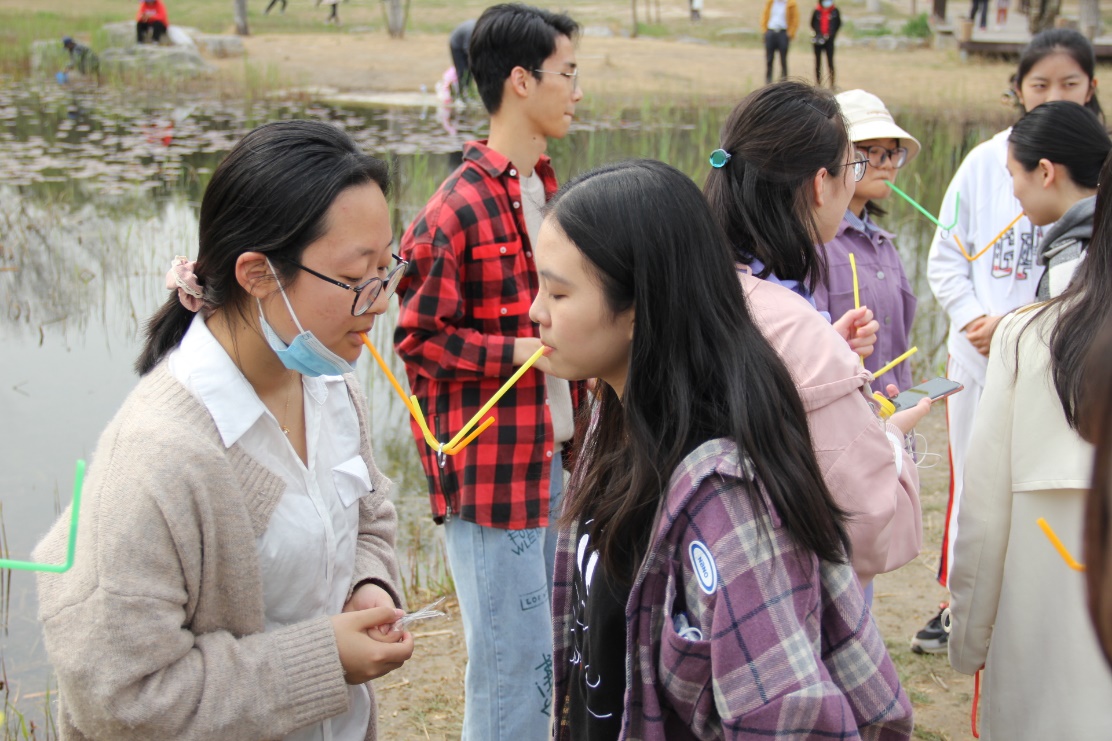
x=57, y=568
x=925, y=212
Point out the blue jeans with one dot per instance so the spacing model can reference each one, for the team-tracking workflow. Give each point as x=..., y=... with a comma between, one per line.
x=504, y=585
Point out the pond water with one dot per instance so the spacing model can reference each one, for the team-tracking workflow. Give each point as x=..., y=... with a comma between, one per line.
x=99, y=191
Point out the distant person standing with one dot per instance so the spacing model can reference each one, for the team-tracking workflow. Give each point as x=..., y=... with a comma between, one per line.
x=696, y=10
x=1002, y=13
x=458, y=44
x=273, y=3
x=334, y=15
x=151, y=21
x=779, y=22
x=982, y=6
x=825, y=22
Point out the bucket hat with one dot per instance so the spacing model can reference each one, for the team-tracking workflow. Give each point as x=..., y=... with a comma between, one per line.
x=868, y=118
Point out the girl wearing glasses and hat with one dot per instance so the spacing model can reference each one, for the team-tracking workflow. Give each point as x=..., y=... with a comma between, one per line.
x=780, y=185
x=883, y=284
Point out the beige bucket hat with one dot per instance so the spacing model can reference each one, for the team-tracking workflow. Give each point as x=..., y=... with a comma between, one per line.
x=869, y=119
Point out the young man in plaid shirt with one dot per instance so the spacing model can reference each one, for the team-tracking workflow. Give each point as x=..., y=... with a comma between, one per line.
x=462, y=330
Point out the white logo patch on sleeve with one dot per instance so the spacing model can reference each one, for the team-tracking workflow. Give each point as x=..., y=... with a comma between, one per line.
x=702, y=563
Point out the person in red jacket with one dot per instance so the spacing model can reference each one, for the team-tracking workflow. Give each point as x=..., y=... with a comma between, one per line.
x=825, y=22
x=151, y=21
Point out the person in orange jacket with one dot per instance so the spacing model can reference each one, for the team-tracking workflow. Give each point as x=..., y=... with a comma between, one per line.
x=151, y=20
x=779, y=22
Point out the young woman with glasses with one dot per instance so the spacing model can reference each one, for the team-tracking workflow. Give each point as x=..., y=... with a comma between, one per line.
x=236, y=576
x=786, y=174
x=701, y=556
x=883, y=284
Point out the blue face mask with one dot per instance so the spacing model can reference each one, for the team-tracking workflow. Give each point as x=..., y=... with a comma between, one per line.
x=306, y=354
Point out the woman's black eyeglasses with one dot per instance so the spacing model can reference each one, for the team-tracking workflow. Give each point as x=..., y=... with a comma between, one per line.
x=367, y=292
x=858, y=168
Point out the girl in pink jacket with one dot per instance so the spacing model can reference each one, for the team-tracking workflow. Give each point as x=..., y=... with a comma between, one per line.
x=780, y=184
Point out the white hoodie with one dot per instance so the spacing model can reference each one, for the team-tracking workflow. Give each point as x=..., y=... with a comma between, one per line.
x=1006, y=276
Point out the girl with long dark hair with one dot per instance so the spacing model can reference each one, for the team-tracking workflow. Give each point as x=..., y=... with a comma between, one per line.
x=697, y=520
x=236, y=576
x=1055, y=153
x=1095, y=425
x=985, y=266
x=780, y=185
x=1016, y=607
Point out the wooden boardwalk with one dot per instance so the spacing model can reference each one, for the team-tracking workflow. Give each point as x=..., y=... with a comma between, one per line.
x=1007, y=40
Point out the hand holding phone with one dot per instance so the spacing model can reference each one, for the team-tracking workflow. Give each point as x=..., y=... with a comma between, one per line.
x=934, y=389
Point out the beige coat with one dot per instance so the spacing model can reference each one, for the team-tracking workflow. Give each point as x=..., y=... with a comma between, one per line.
x=157, y=630
x=1016, y=607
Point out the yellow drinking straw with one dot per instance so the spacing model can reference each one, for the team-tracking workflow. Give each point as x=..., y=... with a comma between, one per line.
x=881, y=371
x=462, y=438
x=856, y=291
x=498, y=394
x=1058, y=545
x=856, y=285
x=887, y=408
x=995, y=239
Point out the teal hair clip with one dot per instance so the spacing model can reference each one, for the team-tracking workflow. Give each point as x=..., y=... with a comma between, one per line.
x=719, y=158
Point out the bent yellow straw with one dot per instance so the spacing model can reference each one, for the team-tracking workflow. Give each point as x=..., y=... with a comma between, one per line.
x=462, y=438
x=71, y=547
x=881, y=371
x=1058, y=545
x=995, y=239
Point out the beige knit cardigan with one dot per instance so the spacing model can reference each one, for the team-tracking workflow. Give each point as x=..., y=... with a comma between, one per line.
x=157, y=630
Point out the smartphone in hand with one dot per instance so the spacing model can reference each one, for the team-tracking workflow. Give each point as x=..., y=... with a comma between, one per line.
x=936, y=388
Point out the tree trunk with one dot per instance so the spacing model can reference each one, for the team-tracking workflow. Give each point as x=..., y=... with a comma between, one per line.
x=1090, y=18
x=241, y=18
x=397, y=17
x=634, y=32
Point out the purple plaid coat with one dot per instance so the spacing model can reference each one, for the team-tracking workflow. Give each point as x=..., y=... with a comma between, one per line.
x=791, y=650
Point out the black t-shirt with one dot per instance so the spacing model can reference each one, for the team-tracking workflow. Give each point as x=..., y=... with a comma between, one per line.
x=596, y=671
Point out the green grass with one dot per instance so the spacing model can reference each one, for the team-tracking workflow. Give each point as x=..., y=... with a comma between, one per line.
x=917, y=27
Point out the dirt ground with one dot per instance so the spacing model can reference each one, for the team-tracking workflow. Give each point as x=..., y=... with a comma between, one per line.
x=635, y=69
x=424, y=698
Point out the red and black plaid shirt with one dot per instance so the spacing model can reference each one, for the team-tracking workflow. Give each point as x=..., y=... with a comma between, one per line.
x=464, y=299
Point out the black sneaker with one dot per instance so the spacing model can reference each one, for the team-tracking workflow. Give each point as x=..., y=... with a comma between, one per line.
x=933, y=638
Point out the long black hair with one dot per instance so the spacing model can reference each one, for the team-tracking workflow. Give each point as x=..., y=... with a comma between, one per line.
x=1096, y=427
x=700, y=368
x=1060, y=41
x=271, y=194
x=1075, y=316
x=778, y=138
x=1064, y=133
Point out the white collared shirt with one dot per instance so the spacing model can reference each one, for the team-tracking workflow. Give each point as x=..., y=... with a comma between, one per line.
x=307, y=554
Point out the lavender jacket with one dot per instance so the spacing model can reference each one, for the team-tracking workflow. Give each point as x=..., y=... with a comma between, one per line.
x=884, y=288
x=792, y=652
